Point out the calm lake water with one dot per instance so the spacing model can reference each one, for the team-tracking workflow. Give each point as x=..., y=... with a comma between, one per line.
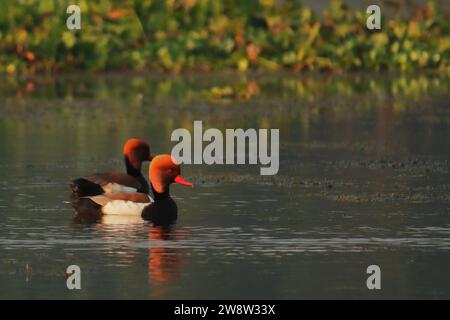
x=364, y=179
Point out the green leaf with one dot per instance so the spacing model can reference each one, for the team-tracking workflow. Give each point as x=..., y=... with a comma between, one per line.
x=69, y=39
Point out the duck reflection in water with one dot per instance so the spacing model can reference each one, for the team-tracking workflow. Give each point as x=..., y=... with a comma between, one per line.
x=164, y=261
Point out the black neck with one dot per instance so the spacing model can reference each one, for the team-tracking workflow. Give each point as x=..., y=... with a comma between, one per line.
x=132, y=170
x=160, y=195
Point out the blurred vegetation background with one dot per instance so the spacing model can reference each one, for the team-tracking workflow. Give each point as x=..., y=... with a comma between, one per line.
x=205, y=35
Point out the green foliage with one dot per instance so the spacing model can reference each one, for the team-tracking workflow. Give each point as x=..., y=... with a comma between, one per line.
x=177, y=35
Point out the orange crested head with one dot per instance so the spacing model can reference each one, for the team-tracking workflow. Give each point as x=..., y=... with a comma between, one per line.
x=163, y=171
x=137, y=146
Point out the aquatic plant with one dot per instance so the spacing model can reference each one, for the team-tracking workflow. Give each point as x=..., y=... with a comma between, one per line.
x=179, y=35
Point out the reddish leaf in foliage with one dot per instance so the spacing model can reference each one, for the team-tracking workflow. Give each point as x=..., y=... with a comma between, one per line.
x=253, y=52
x=239, y=38
x=19, y=49
x=30, y=86
x=252, y=88
x=30, y=56
x=113, y=15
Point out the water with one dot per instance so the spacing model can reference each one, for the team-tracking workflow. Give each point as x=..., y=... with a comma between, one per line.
x=364, y=179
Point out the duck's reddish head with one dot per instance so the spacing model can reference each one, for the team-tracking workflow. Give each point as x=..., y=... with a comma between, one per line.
x=137, y=151
x=163, y=171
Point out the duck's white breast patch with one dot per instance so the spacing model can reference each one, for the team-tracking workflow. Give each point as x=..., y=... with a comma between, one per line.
x=124, y=207
x=117, y=188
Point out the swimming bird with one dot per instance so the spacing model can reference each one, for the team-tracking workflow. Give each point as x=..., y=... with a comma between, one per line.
x=162, y=210
x=135, y=151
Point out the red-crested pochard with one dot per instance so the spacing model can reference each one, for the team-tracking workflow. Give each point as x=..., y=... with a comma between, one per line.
x=135, y=151
x=162, y=210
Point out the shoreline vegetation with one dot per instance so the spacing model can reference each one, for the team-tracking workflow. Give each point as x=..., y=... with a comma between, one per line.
x=203, y=36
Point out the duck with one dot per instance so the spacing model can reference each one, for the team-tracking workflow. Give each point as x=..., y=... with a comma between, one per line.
x=161, y=210
x=135, y=151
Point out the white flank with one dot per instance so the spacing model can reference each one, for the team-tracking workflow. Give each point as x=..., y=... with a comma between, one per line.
x=124, y=207
x=116, y=188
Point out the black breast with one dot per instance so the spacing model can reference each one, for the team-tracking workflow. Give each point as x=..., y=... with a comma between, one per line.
x=162, y=212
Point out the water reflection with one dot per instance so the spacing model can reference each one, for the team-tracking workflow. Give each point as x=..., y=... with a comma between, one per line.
x=164, y=263
x=121, y=237
x=220, y=88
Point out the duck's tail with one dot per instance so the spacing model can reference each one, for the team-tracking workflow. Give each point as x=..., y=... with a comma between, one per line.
x=82, y=187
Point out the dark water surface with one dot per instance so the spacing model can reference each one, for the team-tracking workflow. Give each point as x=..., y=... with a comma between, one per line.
x=364, y=179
